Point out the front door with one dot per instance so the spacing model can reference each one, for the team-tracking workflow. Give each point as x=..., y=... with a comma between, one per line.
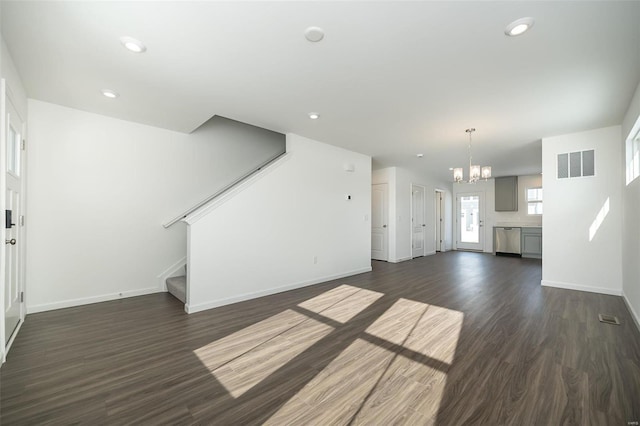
x=418, y=223
x=13, y=235
x=379, y=221
x=470, y=221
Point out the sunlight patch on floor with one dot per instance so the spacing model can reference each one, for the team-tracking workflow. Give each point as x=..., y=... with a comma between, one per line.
x=370, y=384
x=342, y=303
x=243, y=359
x=221, y=351
x=436, y=334
x=396, y=370
x=398, y=321
x=246, y=371
x=336, y=393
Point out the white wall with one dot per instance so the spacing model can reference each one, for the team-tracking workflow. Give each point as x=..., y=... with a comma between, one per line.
x=404, y=180
x=264, y=239
x=571, y=206
x=491, y=216
x=99, y=190
x=630, y=222
x=400, y=181
x=15, y=88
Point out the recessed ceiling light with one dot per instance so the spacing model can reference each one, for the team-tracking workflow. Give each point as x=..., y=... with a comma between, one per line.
x=133, y=45
x=419, y=155
x=314, y=34
x=519, y=26
x=314, y=115
x=110, y=93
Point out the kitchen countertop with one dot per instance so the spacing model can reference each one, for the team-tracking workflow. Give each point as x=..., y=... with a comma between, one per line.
x=516, y=225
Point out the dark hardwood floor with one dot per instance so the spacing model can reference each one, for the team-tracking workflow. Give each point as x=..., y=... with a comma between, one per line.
x=451, y=339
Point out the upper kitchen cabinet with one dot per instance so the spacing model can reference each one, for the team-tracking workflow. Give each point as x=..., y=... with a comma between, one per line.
x=506, y=194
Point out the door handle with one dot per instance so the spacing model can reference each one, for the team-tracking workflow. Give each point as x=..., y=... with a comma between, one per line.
x=11, y=241
x=424, y=224
x=384, y=226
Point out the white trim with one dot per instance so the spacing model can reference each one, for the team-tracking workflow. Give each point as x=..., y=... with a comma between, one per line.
x=88, y=300
x=3, y=185
x=190, y=309
x=430, y=253
x=402, y=259
x=634, y=314
x=169, y=272
x=579, y=287
x=232, y=192
x=13, y=338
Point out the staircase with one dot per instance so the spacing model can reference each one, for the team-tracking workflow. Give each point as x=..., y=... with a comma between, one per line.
x=177, y=287
x=251, y=152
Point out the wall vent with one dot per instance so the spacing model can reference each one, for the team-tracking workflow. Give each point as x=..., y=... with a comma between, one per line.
x=576, y=164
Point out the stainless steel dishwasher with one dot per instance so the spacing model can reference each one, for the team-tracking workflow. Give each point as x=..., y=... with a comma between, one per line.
x=506, y=240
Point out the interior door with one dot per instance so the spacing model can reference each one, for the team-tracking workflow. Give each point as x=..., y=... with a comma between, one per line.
x=13, y=215
x=470, y=221
x=439, y=221
x=379, y=221
x=418, y=223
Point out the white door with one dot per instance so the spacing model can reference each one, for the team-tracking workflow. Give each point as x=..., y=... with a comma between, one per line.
x=379, y=221
x=418, y=222
x=13, y=230
x=470, y=219
x=439, y=221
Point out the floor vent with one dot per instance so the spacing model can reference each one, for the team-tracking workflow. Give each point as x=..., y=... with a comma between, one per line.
x=608, y=319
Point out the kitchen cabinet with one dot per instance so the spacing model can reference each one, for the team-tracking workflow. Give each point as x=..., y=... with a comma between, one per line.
x=506, y=194
x=531, y=242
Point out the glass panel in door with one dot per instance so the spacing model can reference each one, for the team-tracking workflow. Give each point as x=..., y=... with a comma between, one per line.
x=470, y=221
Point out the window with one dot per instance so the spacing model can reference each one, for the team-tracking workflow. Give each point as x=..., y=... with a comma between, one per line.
x=13, y=152
x=633, y=153
x=534, y=200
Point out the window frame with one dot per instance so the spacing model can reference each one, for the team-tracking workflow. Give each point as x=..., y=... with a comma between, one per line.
x=534, y=201
x=633, y=153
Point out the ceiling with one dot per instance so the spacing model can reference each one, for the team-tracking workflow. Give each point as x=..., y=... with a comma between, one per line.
x=390, y=79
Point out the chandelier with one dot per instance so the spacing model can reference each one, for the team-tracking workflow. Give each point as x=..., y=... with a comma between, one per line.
x=475, y=171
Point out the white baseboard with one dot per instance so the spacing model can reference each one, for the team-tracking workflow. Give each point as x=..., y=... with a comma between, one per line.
x=190, y=309
x=634, y=314
x=430, y=253
x=578, y=287
x=170, y=272
x=402, y=259
x=32, y=309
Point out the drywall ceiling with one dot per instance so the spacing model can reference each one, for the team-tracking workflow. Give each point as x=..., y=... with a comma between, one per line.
x=390, y=79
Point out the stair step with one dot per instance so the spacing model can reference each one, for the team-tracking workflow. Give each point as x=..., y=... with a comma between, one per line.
x=177, y=286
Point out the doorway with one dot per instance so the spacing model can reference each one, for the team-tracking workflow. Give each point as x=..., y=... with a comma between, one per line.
x=470, y=221
x=379, y=221
x=418, y=221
